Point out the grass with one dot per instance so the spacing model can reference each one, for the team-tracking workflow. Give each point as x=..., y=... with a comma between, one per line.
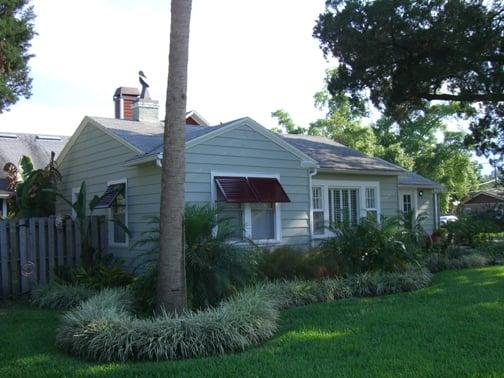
x=454, y=328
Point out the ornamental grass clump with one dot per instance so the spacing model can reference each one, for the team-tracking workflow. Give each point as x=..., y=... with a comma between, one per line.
x=104, y=329
x=60, y=296
x=436, y=262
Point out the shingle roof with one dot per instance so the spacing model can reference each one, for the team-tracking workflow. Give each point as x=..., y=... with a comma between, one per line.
x=414, y=179
x=148, y=137
x=334, y=155
x=37, y=147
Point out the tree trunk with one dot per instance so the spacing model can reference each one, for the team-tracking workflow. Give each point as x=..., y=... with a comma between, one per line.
x=171, y=284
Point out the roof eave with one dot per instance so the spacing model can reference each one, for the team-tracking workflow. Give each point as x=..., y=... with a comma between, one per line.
x=360, y=171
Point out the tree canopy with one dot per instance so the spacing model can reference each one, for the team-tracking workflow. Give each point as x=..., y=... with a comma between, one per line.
x=420, y=142
x=16, y=32
x=403, y=55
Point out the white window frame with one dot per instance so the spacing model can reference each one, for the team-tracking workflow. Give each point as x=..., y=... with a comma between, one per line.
x=247, y=210
x=361, y=186
x=112, y=224
x=74, y=195
x=318, y=209
x=414, y=200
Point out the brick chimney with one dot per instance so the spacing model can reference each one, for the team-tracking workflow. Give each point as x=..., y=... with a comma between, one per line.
x=124, y=97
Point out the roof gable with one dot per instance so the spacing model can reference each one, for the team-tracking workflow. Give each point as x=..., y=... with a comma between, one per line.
x=485, y=197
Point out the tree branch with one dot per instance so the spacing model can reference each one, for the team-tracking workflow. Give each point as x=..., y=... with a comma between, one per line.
x=493, y=97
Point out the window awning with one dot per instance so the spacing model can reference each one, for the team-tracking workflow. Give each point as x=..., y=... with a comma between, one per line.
x=107, y=199
x=251, y=189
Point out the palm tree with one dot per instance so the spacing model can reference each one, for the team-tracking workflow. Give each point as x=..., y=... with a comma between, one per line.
x=171, y=284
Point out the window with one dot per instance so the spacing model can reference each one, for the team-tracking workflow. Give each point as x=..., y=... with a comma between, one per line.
x=371, y=202
x=343, y=206
x=118, y=215
x=75, y=195
x=230, y=214
x=263, y=221
x=251, y=205
x=318, y=210
x=406, y=203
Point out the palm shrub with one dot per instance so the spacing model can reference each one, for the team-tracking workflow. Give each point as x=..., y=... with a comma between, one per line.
x=215, y=265
x=367, y=246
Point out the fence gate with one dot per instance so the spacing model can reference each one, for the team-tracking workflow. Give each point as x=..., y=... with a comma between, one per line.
x=31, y=250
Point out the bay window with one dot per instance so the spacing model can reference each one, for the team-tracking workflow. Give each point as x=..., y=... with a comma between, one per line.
x=336, y=202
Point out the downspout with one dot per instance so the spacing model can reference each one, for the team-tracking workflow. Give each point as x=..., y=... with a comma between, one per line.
x=311, y=173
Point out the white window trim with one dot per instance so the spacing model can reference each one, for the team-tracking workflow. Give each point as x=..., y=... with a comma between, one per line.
x=414, y=200
x=111, y=225
x=343, y=184
x=247, y=211
x=4, y=208
x=73, y=197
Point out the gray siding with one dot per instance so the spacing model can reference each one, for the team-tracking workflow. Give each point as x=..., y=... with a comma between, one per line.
x=97, y=158
x=388, y=188
x=243, y=150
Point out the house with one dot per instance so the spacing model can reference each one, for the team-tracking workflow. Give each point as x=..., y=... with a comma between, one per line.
x=279, y=189
x=484, y=201
x=14, y=145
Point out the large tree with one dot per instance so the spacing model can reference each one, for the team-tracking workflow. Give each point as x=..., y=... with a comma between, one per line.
x=16, y=32
x=403, y=54
x=171, y=285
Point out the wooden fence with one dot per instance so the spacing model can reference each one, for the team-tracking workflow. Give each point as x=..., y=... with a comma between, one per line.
x=31, y=250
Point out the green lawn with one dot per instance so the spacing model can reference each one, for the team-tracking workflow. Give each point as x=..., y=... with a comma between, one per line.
x=454, y=328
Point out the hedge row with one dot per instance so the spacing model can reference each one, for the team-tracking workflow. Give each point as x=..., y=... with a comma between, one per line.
x=103, y=328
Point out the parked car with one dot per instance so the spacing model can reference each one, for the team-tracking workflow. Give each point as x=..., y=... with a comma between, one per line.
x=444, y=219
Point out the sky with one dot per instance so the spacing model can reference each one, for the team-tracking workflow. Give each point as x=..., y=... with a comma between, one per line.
x=246, y=58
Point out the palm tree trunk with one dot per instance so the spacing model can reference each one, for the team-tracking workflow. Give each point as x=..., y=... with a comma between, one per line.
x=171, y=285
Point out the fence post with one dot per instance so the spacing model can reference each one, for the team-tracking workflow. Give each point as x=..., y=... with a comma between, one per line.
x=51, y=246
x=69, y=243
x=42, y=251
x=14, y=257
x=32, y=250
x=4, y=258
x=60, y=251
x=23, y=256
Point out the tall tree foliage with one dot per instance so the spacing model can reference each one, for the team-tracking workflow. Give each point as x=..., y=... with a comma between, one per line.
x=402, y=55
x=419, y=142
x=171, y=284
x=16, y=32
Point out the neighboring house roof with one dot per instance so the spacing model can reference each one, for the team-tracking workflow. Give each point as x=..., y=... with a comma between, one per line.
x=37, y=147
x=414, y=179
x=335, y=156
x=485, y=196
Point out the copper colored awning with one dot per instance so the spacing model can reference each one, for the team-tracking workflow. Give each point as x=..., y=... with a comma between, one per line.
x=109, y=196
x=251, y=189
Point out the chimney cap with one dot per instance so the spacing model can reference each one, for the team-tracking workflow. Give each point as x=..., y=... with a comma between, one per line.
x=126, y=91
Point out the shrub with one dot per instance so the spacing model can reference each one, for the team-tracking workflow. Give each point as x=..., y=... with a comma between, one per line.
x=287, y=262
x=60, y=296
x=367, y=246
x=215, y=267
x=472, y=230
x=436, y=262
